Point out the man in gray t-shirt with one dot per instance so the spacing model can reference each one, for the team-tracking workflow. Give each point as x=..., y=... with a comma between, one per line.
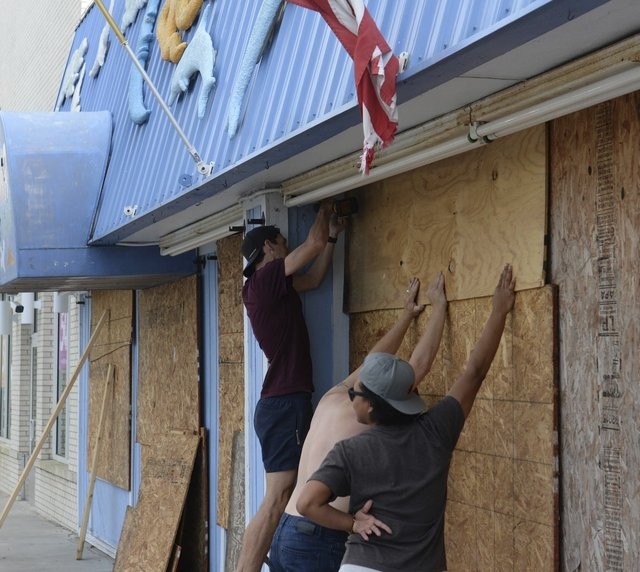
x=396, y=473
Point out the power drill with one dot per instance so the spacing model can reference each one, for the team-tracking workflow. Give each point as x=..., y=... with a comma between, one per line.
x=342, y=207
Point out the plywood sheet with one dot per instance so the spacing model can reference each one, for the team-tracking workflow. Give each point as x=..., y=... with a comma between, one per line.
x=150, y=529
x=594, y=246
x=503, y=482
x=235, y=532
x=113, y=346
x=168, y=392
x=193, y=538
x=230, y=368
x=465, y=216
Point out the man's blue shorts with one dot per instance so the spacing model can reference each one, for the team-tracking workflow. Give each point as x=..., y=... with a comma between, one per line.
x=300, y=545
x=282, y=423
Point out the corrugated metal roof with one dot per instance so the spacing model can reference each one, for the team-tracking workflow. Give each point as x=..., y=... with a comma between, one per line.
x=302, y=93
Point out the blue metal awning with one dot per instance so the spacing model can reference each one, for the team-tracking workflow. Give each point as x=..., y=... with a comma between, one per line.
x=52, y=169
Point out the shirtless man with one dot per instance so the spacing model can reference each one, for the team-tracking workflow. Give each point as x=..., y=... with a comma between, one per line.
x=299, y=545
x=400, y=466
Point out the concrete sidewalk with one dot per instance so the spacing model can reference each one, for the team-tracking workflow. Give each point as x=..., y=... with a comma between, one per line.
x=30, y=543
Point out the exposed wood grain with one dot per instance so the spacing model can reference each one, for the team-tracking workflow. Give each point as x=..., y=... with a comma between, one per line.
x=465, y=216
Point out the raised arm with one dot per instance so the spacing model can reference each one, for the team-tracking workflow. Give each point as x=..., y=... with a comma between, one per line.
x=427, y=347
x=313, y=244
x=390, y=342
x=311, y=279
x=466, y=387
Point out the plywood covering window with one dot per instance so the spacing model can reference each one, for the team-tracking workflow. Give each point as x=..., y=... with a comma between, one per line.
x=230, y=499
x=594, y=259
x=168, y=424
x=466, y=217
x=112, y=348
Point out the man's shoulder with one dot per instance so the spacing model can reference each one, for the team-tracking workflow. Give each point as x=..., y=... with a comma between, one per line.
x=446, y=406
x=269, y=277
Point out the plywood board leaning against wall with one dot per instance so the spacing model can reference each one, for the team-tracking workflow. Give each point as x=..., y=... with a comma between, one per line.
x=113, y=346
x=193, y=534
x=502, y=510
x=168, y=392
x=150, y=528
x=594, y=246
x=231, y=373
x=465, y=216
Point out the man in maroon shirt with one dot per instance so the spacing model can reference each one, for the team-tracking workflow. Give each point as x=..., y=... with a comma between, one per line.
x=283, y=414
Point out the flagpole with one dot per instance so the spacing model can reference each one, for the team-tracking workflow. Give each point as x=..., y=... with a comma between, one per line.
x=203, y=168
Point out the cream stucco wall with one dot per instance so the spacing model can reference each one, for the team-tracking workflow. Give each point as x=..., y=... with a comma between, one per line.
x=35, y=37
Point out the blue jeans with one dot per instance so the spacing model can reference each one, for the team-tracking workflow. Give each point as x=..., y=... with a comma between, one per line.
x=300, y=545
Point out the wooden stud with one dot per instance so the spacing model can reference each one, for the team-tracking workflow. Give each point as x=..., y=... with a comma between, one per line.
x=52, y=419
x=94, y=462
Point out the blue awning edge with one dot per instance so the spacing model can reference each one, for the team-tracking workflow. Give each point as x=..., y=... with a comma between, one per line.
x=52, y=167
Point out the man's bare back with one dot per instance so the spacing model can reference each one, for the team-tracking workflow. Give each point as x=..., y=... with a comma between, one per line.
x=333, y=420
x=294, y=546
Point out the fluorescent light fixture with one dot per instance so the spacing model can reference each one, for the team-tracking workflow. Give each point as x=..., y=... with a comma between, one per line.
x=394, y=167
x=301, y=193
x=575, y=100
x=202, y=232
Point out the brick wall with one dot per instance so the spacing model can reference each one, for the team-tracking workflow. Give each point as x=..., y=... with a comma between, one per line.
x=14, y=449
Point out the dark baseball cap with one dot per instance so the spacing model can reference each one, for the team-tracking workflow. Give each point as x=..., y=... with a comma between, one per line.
x=253, y=242
x=391, y=379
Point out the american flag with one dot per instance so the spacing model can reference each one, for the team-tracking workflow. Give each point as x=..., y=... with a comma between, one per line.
x=375, y=68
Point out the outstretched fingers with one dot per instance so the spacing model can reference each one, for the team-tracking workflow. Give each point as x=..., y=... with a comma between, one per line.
x=504, y=296
x=366, y=524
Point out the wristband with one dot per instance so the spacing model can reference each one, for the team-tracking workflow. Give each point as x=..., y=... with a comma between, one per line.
x=353, y=525
x=332, y=239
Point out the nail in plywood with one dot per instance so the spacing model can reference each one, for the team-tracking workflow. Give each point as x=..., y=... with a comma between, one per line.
x=503, y=477
x=231, y=370
x=113, y=346
x=168, y=393
x=465, y=216
x=594, y=246
x=150, y=529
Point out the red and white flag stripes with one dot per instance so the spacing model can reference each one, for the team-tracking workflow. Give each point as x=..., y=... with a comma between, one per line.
x=375, y=67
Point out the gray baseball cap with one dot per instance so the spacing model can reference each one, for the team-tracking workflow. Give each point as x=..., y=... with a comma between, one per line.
x=391, y=378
